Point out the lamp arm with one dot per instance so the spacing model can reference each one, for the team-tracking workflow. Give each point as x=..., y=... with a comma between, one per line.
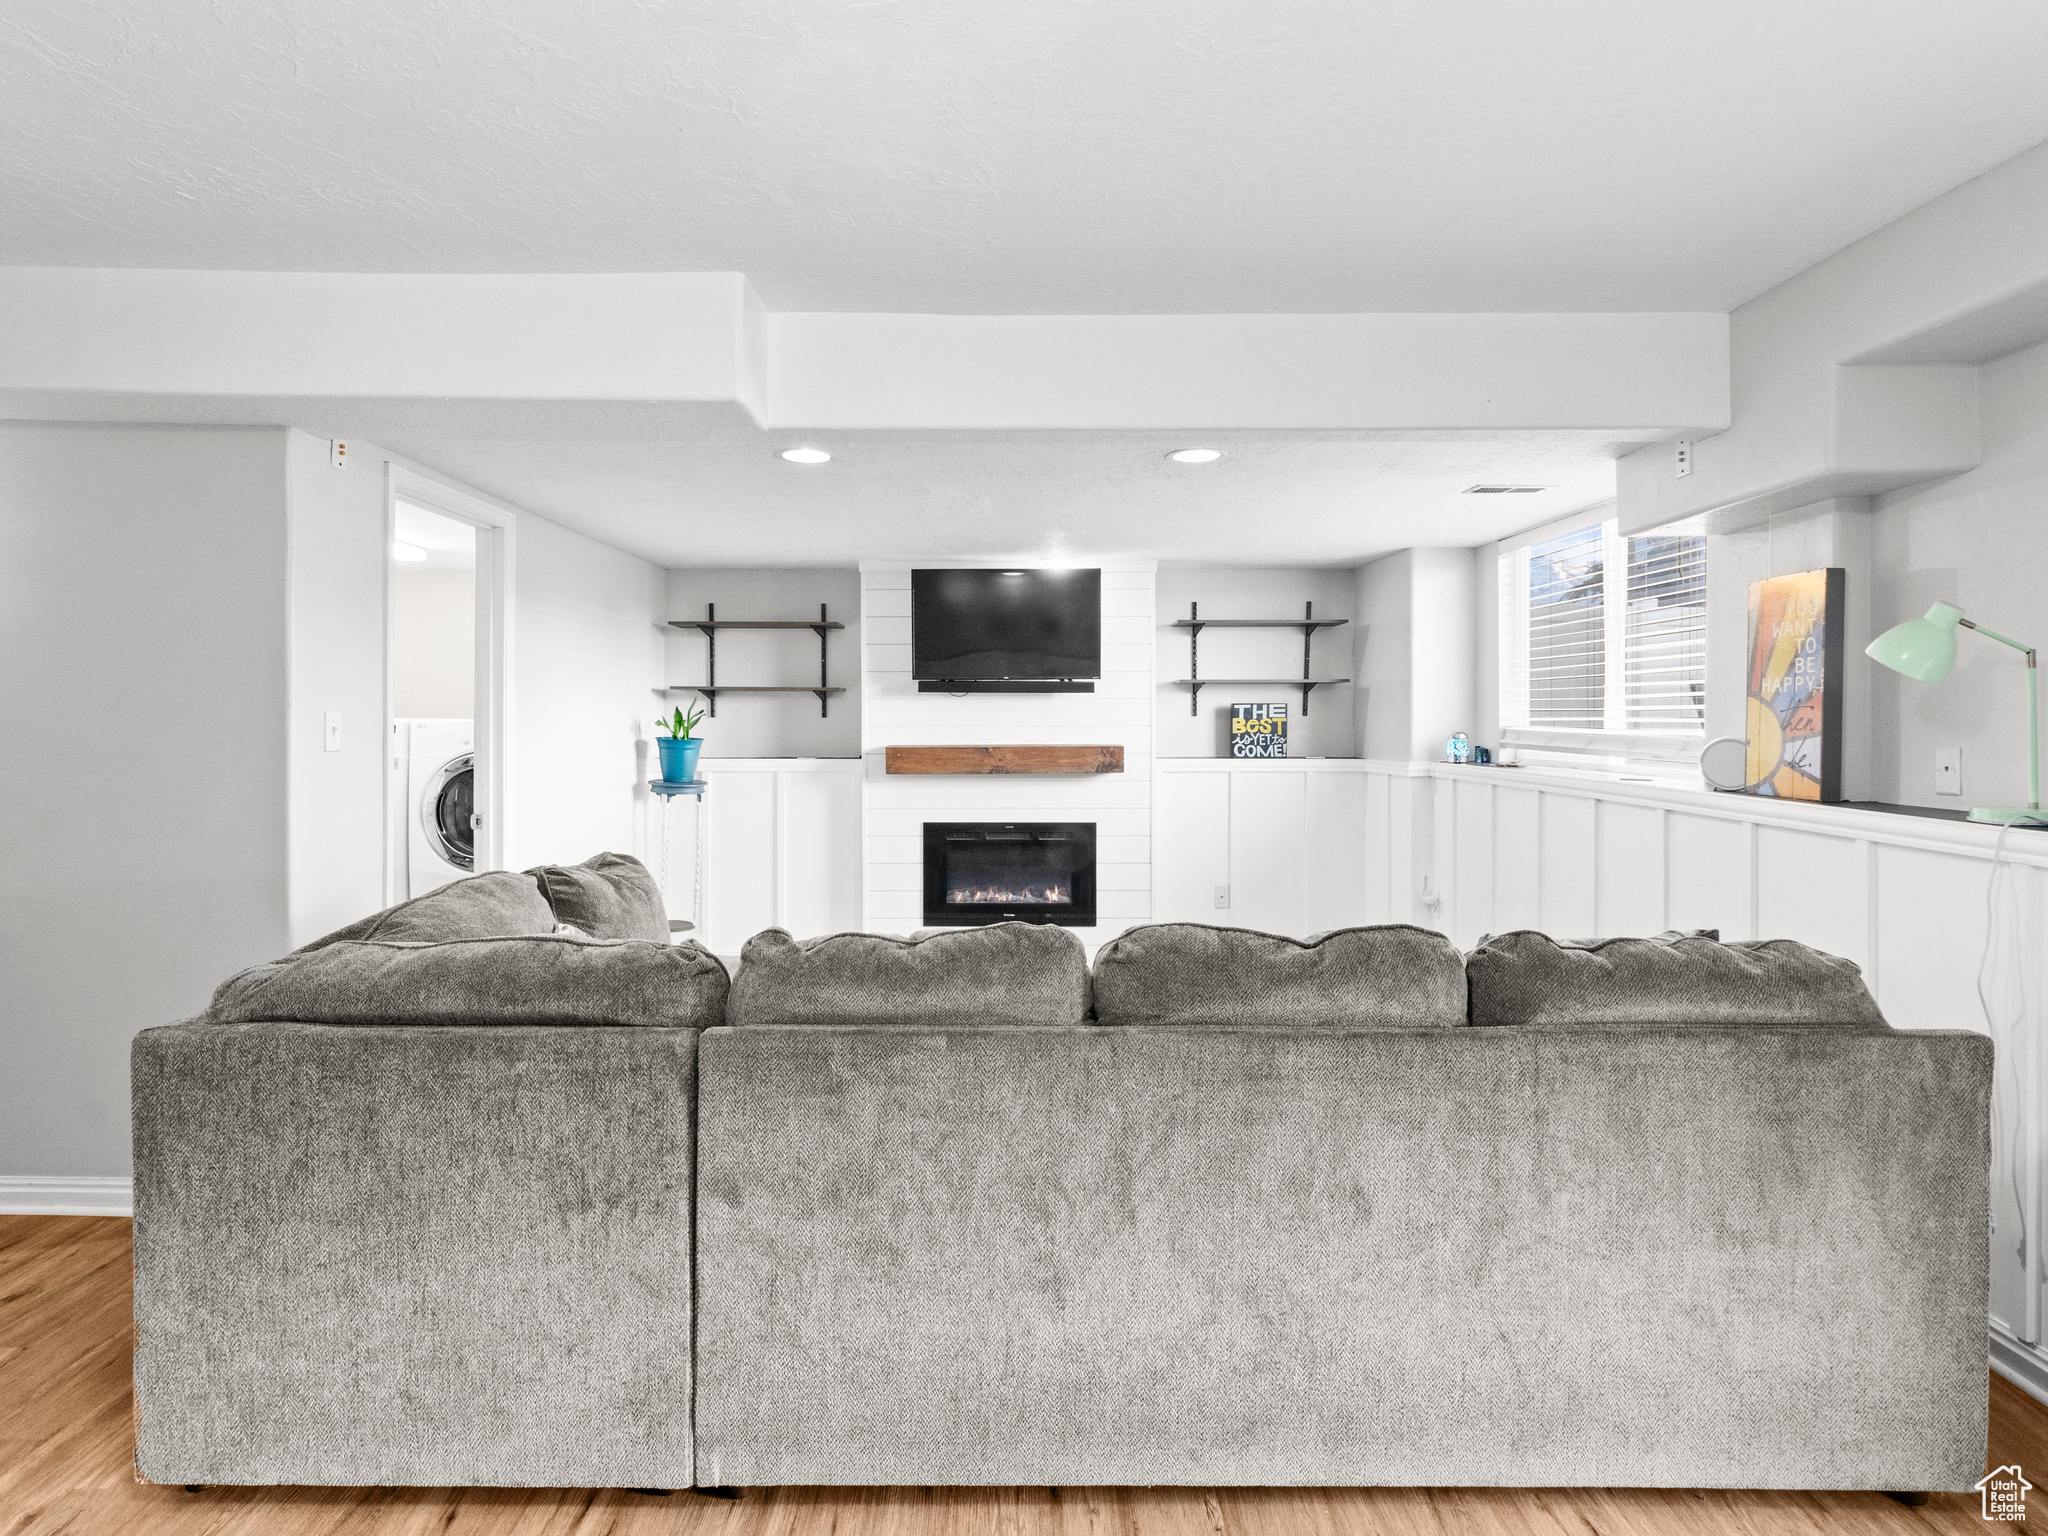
x=1992, y=634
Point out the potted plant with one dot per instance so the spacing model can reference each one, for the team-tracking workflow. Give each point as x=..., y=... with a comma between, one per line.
x=679, y=745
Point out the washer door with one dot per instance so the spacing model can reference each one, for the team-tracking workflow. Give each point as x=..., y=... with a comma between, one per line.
x=445, y=809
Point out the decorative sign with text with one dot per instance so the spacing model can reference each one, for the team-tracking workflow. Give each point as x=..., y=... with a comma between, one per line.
x=1258, y=730
x=1795, y=686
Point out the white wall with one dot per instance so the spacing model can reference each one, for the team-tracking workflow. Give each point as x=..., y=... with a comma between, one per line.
x=770, y=725
x=142, y=764
x=1384, y=659
x=586, y=670
x=1442, y=696
x=1418, y=617
x=339, y=557
x=1255, y=592
x=433, y=645
x=1486, y=645
x=1980, y=541
x=586, y=661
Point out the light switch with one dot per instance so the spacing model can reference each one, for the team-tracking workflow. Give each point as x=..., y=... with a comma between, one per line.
x=1948, y=770
x=1222, y=896
x=332, y=739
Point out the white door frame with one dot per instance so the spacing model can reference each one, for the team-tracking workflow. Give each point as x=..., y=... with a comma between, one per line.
x=496, y=538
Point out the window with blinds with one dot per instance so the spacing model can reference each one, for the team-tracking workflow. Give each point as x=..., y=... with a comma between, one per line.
x=1567, y=631
x=1665, y=671
x=1604, y=641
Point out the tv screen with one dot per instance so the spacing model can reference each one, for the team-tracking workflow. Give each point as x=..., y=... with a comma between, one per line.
x=983, y=625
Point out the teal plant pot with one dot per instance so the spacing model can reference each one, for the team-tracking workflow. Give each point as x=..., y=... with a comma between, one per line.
x=678, y=758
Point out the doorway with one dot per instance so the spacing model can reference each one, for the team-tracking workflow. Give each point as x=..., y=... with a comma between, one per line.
x=447, y=604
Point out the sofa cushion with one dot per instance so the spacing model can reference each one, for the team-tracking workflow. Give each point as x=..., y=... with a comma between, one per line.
x=500, y=904
x=1003, y=974
x=610, y=896
x=1391, y=977
x=536, y=979
x=1531, y=978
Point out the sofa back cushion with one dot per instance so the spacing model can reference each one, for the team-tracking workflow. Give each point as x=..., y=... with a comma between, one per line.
x=1531, y=978
x=497, y=905
x=1003, y=974
x=1391, y=977
x=609, y=896
x=536, y=979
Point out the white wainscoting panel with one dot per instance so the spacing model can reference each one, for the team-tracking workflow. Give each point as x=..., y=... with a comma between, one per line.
x=1708, y=877
x=1297, y=845
x=1630, y=851
x=1590, y=855
x=775, y=844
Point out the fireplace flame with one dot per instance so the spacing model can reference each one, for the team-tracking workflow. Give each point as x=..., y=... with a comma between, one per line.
x=1050, y=893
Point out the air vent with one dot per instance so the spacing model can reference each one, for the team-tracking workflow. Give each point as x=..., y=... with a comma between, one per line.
x=1504, y=490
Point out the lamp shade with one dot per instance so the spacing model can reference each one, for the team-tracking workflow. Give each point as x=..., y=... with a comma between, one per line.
x=1922, y=649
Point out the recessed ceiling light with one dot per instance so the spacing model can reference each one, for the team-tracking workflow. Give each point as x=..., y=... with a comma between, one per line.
x=807, y=455
x=1195, y=455
x=1504, y=490
x=401, y=551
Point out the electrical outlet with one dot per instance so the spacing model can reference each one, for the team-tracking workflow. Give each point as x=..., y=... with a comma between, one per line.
x=1684, y=459
x=1948, y=770
x=332, y=737
x=337, y=453
x=1222, y=897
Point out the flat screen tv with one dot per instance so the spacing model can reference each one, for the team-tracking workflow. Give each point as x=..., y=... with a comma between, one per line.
x=987, y=626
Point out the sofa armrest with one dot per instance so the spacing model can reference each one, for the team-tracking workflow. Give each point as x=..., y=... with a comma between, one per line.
x=413, y=1255
x=1749, y=1257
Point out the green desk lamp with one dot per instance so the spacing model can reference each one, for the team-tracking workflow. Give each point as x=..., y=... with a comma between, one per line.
x=1925, y=650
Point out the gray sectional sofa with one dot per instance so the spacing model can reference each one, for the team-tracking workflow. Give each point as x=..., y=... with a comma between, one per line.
x=423, y=1204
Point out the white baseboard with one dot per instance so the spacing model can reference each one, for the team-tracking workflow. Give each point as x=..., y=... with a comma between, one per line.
x=90, y=1195
x=2024, y=1365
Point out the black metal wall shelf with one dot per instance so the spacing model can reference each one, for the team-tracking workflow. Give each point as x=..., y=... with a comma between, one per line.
x=1308, y=624
x=711, y=688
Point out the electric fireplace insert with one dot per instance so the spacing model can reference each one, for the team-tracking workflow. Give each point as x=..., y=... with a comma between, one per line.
x=997, y=872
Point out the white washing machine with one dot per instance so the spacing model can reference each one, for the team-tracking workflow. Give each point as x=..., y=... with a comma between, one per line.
x=438, y=802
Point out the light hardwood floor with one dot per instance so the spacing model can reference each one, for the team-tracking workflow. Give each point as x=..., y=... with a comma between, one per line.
x=66, y=1445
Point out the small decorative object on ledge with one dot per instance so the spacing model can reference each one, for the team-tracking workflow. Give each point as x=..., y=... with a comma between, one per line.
x=1795, y=686
x=1308, y=624
x=711, y=624
x=1258, y=730
x=1004, y=760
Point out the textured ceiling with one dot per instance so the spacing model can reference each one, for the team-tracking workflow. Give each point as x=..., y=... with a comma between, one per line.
x=996, y=156
x=721, y=496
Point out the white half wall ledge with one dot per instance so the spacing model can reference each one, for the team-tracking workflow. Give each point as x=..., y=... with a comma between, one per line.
x=84, y=1195
x=158, y=345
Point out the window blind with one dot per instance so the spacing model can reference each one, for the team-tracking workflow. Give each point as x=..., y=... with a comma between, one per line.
x=1567, y=629
x=1603, y=641
x=1665, y=679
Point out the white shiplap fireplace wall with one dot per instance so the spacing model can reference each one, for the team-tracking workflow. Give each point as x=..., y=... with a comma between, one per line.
x=1118, y=713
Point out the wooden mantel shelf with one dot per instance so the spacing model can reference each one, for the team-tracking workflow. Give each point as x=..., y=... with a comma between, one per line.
x=1004, y=760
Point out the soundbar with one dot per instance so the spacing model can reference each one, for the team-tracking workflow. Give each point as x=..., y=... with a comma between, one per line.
x=1004, y=685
